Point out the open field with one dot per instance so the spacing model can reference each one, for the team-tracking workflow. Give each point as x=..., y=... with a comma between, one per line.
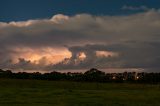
x=62, y=93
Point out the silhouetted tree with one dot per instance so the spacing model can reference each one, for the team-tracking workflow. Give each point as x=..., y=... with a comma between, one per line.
x=92, y=75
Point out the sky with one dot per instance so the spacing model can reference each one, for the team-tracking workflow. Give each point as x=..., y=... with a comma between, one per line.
x=79, y=34
x=21, y=10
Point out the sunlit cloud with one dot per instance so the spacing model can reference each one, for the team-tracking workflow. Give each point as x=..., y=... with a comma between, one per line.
x=59, y=18
x=106, y=54
x=47, y=54
x=82, y=41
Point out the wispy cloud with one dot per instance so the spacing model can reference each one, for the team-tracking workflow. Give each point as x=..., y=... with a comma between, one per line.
x=135, y=8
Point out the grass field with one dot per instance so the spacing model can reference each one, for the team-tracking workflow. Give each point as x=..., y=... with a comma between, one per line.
x=61, y=93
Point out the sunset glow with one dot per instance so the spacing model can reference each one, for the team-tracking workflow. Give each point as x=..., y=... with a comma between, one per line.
x=68, y=36
x=79, y=52
x=105, y=54
x=81, y=55
x=47, y=55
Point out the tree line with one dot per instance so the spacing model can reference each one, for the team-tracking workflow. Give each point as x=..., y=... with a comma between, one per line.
x=92, y=75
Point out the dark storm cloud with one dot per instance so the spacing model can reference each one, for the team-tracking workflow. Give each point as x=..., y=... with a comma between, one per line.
x=130, y=54
x=80, y=29
x=135, y=38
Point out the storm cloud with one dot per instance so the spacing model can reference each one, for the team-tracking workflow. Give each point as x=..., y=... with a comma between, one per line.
x=135, y=39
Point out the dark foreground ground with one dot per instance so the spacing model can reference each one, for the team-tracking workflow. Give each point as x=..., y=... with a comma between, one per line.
x=61, y=93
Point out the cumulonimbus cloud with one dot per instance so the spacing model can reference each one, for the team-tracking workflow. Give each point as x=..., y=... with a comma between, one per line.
x=130, y=36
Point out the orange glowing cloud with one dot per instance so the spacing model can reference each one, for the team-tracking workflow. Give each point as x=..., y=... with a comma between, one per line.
x=105, y=53
x=81, y=56
x=46, y=55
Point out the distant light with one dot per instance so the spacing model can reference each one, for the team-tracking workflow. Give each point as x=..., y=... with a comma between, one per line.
x=113, y=77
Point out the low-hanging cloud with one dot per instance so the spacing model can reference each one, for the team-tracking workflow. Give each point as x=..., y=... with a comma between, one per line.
x=135, y=38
